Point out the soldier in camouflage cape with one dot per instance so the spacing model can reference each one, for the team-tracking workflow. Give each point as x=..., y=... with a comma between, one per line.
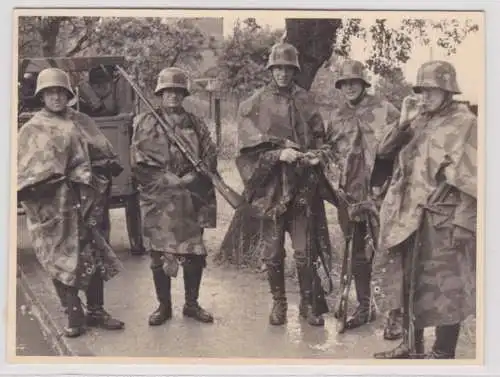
x=176, y=202
x=280, y=134
x=430, y=208
x=65, y=166
x=354, y=131
x=99, y=93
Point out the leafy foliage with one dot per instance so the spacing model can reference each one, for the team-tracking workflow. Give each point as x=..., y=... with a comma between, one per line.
x=149, y=44
x=394, y=88
x=392, y=46
x=243, y=58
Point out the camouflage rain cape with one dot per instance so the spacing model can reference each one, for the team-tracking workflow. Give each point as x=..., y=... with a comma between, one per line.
x=269, y=122
x=64, y=169
x=443, y=148
x=354, y=133
x=173, y=216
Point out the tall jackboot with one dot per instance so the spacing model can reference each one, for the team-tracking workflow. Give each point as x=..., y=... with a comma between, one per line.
x=61, y=291
x=276, y=278
x=446, y=342
x=96, y=315
x=193, y=272
x=312, y=313
x=162, y=284
x=402, y=351
x=393, y=328
x=365, y=312
x=76, y=316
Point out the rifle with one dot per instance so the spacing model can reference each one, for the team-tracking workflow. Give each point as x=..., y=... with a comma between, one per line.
x=233, y=198
x=312, y=248
x=345, y=280
x=360, y=209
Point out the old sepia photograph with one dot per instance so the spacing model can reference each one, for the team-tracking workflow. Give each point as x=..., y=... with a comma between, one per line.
x=247, y=185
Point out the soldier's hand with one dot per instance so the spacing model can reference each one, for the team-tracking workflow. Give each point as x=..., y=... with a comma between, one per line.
x=173, y=180
x=188, y=178
x=290, y=155
x=311, y=158
x=410, y=109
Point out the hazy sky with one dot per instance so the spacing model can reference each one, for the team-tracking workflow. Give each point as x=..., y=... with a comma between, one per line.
x=468, y=61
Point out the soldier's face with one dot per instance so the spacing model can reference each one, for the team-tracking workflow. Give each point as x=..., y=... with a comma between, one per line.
x=432, y=98
x=55, y=99
x=352, y=89
x=283, y=75
x=102, y=89
x=173, y=97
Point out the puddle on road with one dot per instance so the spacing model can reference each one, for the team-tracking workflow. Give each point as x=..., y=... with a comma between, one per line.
x=322, y=339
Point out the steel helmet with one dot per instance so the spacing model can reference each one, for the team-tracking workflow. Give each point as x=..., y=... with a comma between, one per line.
x=172, y=77
x=437, y=74
x=283, y=54
x=350, y=70
x=53, y=77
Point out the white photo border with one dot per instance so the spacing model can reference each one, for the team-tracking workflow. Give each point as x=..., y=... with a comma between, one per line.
x=492, y=257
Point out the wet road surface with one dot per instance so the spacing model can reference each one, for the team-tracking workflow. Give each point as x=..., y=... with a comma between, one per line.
x=30, y=339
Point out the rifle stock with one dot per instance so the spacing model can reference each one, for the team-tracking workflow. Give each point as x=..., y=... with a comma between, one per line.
x=233, y=198
x=345, y=283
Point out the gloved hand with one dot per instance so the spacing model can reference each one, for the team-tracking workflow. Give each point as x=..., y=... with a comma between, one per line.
x=290, y=155
x=356, y=211
x=410, y=108
x=311, y=158
x=188, y=178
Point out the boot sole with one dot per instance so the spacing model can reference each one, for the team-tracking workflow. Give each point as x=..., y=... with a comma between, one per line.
x=159, y=323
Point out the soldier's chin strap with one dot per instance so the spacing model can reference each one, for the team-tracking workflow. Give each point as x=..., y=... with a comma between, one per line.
x=359, y=98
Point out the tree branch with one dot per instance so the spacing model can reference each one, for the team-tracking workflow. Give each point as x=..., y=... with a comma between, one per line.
x=79, y=46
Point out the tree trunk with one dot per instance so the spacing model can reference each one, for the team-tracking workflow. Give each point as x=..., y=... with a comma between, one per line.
x=314, y=39
x=49, y=30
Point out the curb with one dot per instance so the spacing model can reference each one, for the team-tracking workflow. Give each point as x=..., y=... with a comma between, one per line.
x=45, y=307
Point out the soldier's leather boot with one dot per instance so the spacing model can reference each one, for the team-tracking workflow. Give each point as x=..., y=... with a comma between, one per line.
x=365, y=312
x=446, y=342
x=402, y=351
x=193, y=272
x=162, y=284
x=96, y=315
x=306, y=309
x=61, y=291
x=276, y=278
x=393, y=329
x=76, y=316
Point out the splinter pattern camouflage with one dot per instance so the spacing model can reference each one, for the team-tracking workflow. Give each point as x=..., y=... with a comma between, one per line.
x=266, y=124
x=173, y=216
x=172, y=77
x=445, y=288
x=283, y=54
x=437, y=74
x=353, y=133
x=57, y=155
x=349, y=70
